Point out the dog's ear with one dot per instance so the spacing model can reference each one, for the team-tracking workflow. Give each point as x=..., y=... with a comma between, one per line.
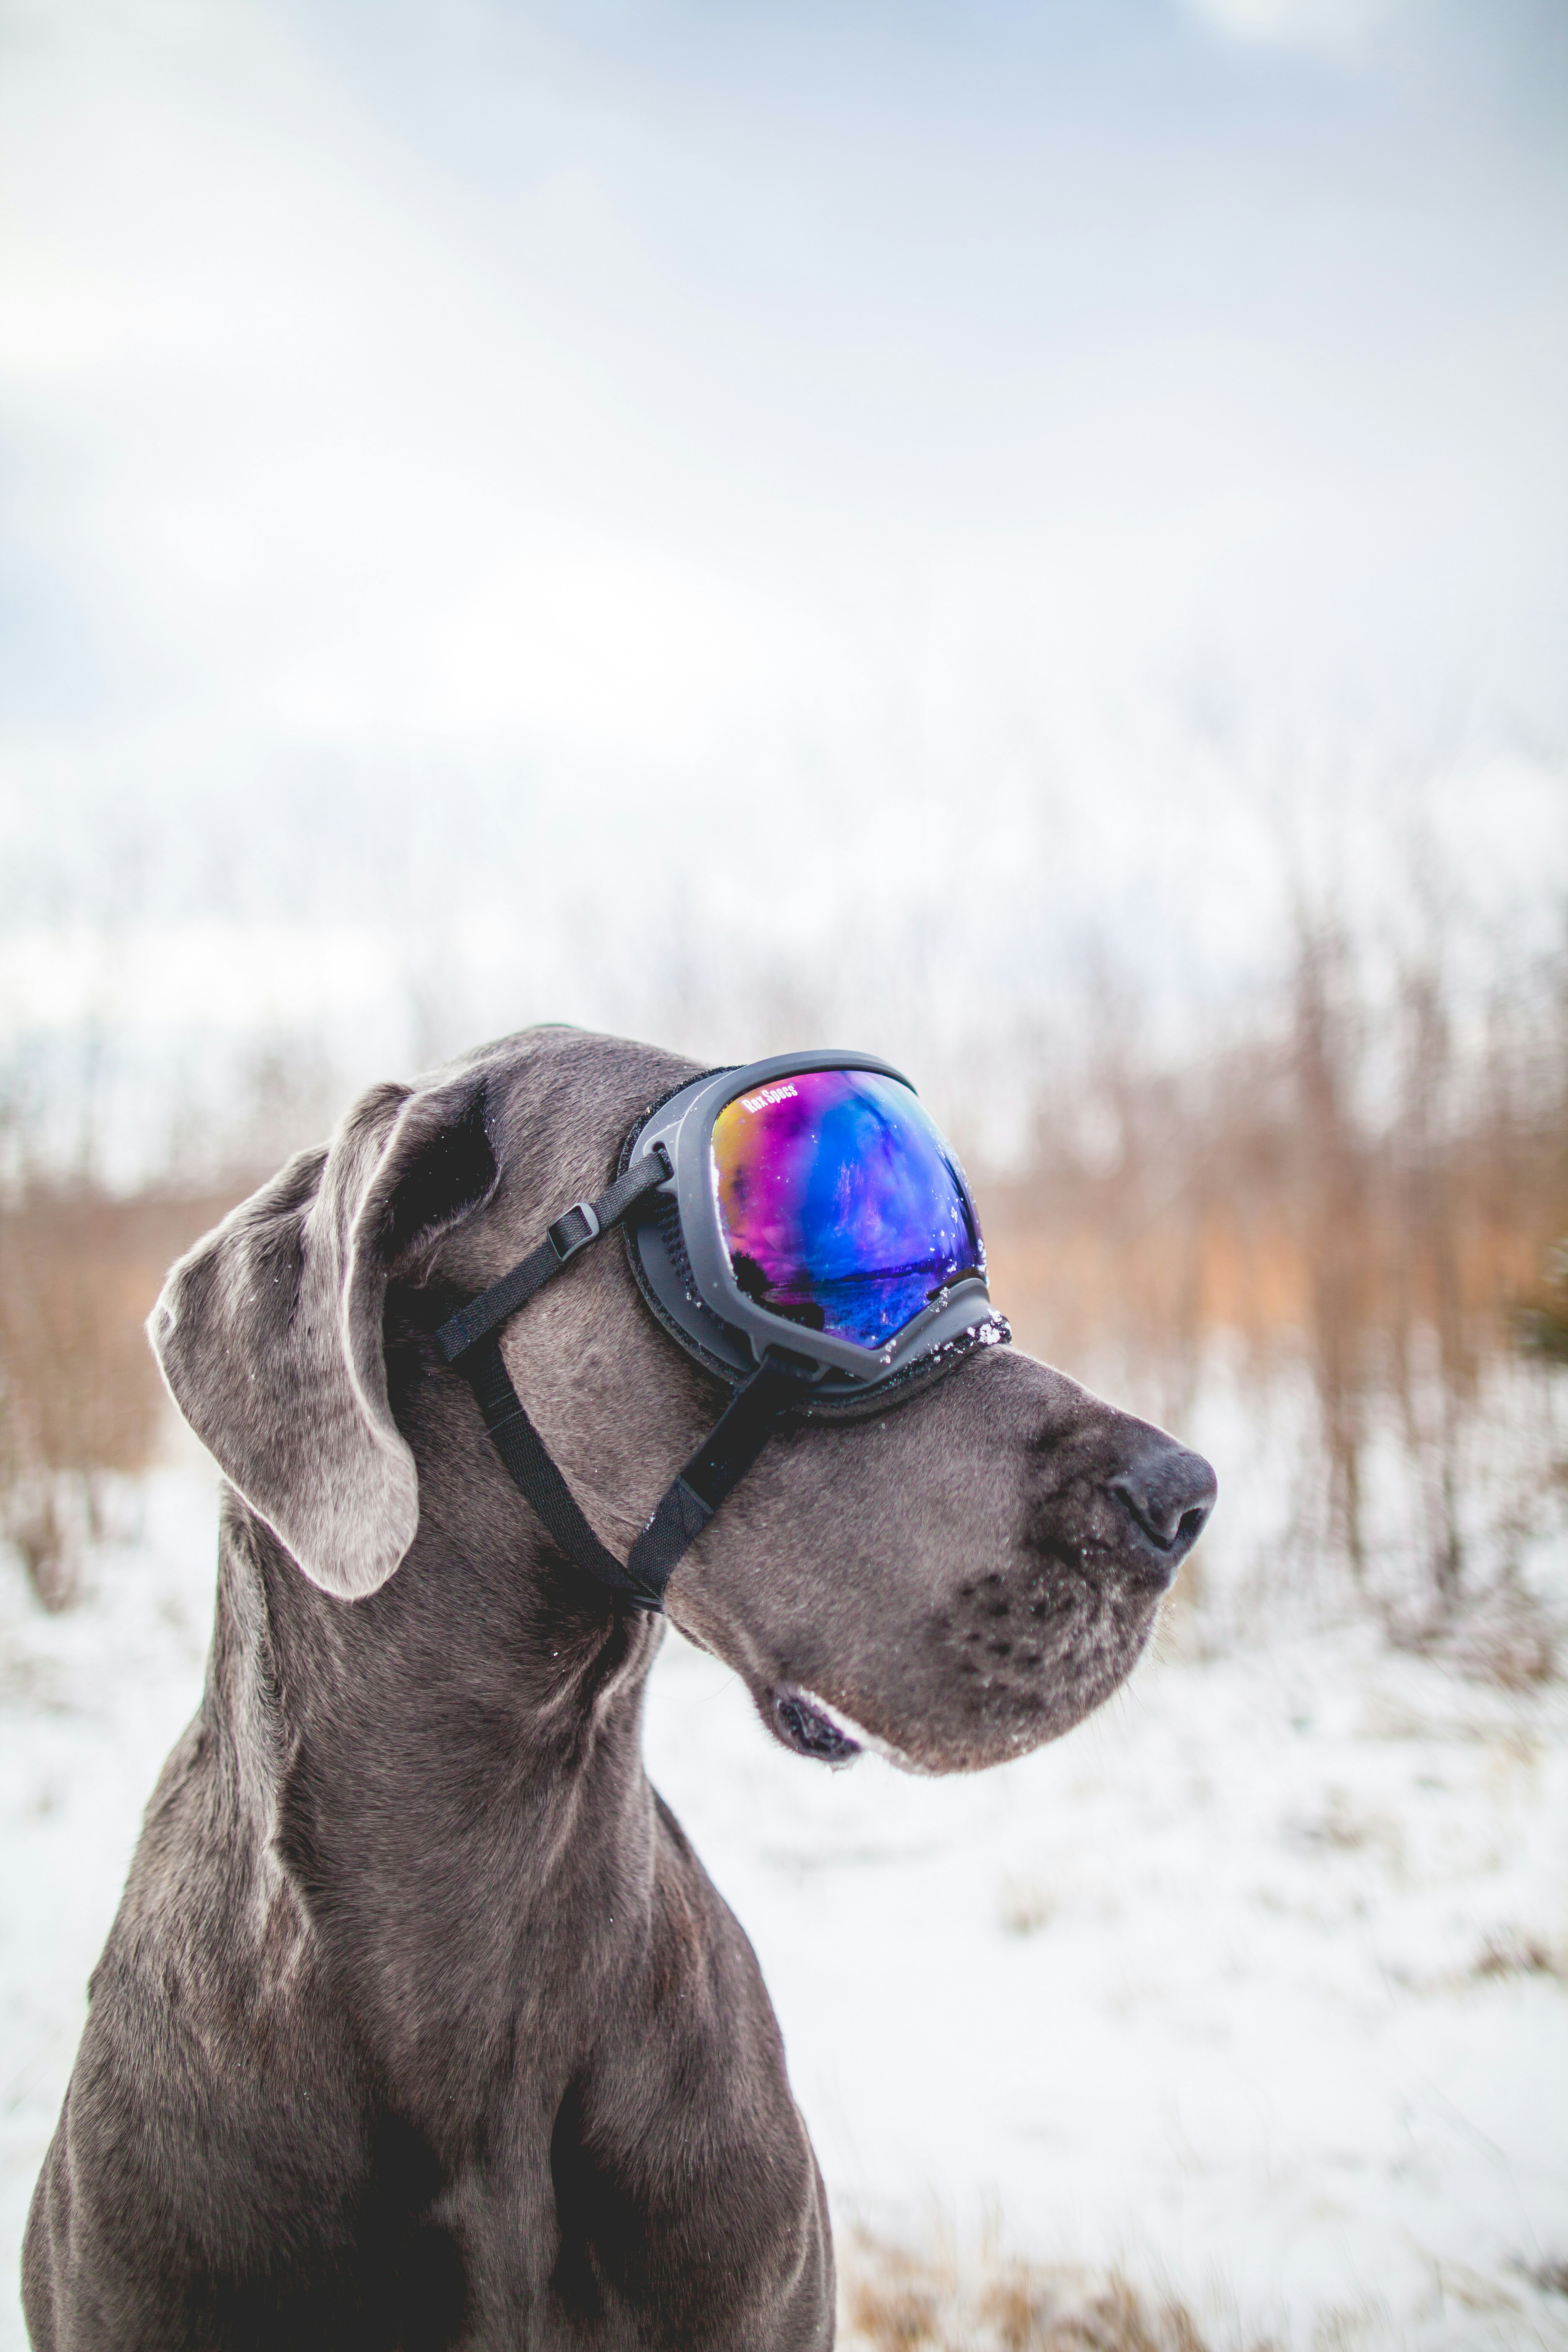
x=269, y=1331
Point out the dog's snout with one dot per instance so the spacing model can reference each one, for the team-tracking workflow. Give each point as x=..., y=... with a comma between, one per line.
x=1169, y=1492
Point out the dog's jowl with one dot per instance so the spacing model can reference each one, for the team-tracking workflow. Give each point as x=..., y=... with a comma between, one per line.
x=420, y=2024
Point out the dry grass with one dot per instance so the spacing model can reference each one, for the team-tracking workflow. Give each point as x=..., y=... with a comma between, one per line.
x=82, y=1263
x=1502, y=1635
x=1024, y=1908
x=80, y=1395
x=896, y=2301
x=1512, y=1952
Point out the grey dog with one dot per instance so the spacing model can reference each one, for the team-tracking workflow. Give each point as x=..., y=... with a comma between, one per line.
x=420, y=2023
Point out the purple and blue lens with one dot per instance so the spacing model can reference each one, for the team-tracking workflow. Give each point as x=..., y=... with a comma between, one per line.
x=840, y=1206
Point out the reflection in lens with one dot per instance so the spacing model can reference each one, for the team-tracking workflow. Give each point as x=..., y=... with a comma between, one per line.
x=840, y=1206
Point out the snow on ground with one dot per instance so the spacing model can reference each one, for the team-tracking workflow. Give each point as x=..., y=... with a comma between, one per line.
x=1257, y=1984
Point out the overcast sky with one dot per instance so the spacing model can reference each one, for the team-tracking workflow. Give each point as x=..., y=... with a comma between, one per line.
x=806, y=459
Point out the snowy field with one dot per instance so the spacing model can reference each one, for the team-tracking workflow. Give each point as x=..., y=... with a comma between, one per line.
x=1257, y=1986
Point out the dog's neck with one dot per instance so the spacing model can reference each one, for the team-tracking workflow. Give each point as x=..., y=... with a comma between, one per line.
x=453, y=1765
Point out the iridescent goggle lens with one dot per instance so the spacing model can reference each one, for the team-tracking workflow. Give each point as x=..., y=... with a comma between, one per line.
x=840, y=1206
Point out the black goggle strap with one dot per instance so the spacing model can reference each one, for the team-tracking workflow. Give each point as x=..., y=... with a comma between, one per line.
x=528, y=1458
x=720, y=1463
x=581, y=1223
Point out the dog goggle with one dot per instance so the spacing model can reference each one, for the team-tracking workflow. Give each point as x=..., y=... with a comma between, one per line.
x=802, y=1229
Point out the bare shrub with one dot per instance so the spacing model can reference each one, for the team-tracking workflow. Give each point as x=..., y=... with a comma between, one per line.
x=1360, y=1182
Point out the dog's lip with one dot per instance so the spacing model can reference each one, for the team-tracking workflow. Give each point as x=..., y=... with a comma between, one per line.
x=809, y=1724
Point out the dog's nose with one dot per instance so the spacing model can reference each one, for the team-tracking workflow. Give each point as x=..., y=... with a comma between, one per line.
x=1170, y=1493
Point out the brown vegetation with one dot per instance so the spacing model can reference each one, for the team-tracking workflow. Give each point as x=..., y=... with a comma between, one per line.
x=80, y=1395
x=1351, y=1189
x=1361, y=1185
x=896, y=2300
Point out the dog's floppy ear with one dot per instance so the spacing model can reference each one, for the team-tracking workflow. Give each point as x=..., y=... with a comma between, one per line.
x=269, y=1331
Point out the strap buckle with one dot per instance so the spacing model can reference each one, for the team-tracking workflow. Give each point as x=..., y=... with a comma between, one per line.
x=564, y=1239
